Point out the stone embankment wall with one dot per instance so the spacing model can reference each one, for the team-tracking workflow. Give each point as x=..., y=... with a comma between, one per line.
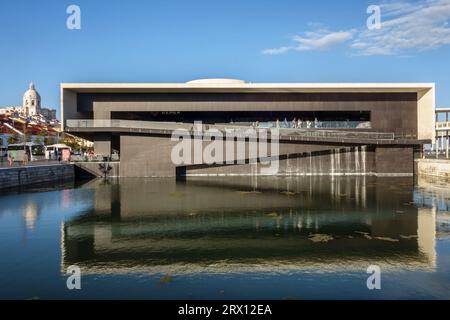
x=24, y=176
x=433, y=167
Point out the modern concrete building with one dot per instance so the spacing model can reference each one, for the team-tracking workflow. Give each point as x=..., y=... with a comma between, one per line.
x=361, y=128
x=442, y=137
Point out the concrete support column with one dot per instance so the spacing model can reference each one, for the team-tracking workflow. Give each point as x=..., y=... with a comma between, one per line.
x=146, y=156
x=394, y=160
x=102, y=144
x=436, y=145
x=447, y=147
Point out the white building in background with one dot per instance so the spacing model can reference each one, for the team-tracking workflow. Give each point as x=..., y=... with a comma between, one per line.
x=31, y=101
x=32, y=104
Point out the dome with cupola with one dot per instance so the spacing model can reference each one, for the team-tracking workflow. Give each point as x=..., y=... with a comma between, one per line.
x=31, y=101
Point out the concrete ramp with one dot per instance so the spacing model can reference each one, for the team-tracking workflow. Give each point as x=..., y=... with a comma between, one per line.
x=95, y=169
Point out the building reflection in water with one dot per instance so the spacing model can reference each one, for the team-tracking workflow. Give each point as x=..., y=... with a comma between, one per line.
x=30, y=214
x=433, y=192
x=251, y=224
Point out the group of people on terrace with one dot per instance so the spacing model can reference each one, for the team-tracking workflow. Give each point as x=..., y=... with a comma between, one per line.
x=294, y=124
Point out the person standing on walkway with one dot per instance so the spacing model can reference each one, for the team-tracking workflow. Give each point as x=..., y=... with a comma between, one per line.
x=10, y=160
x=25, y=159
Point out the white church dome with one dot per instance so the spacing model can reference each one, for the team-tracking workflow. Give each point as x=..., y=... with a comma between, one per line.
x=31, y=101
x=31, y=93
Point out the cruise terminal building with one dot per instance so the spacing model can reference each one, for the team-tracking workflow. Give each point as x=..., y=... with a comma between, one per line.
x=339, y=129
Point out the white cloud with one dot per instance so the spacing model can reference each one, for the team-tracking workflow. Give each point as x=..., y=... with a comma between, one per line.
x=406, y=27
x=279, y=50
x=321, y=40
x=318, y=40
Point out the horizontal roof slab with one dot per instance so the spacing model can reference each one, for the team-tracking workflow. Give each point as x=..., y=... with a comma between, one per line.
x=246, y=87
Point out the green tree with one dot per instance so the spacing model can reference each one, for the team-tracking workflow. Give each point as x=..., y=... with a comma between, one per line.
x=13, y=139
x=70, y=142
x=47, y=141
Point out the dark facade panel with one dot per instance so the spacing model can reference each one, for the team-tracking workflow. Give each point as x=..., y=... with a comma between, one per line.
x=86, y=100
x=390, y=112
x=150, y=155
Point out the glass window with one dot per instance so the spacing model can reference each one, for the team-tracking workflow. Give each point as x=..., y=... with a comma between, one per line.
x=15, y=148
x=37, y=150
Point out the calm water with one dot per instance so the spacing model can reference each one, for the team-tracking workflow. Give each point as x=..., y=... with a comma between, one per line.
x=228, y=238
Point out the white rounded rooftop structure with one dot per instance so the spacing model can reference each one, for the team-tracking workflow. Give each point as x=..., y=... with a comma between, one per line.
x=216, y=81
x=31, y=93
x=31, y=101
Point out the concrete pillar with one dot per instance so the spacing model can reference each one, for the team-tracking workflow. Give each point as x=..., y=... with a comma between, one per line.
x=102, y=144
x=394, y=160
x=446, y=149
x=436, y=145
x=436, y=140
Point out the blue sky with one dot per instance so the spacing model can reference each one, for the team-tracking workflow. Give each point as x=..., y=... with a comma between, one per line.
x=258, y=41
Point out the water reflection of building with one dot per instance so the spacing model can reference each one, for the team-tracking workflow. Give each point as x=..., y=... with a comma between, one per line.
x=248, y=224
x=35, y=201
x=30, y=214
x=433, y=192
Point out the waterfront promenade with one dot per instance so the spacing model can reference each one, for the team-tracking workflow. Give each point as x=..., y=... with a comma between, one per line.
x=434, y=167
x=18, y=164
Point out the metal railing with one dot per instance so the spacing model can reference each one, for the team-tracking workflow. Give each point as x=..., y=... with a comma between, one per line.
x=95, y=158
x=130, y=124
x=318, y=133
x=317, y=125
x=171, y=126
x=442, y=126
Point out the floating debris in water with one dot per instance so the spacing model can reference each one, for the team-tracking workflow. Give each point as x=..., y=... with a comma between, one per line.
x=166, y=279
x=399, y=211
x=249, y=192
x=274, y=215
x=288, y=193
x=365, y=234
x=320, y=237
x=386, y=239
x=408, y=237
